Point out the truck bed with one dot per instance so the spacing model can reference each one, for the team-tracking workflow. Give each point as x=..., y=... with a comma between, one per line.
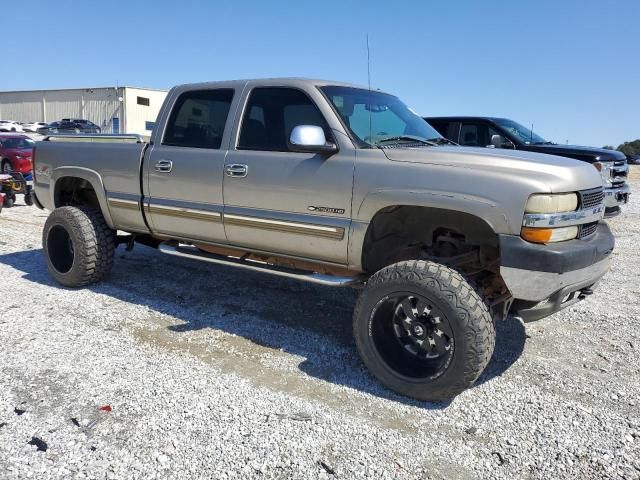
x=112, y=162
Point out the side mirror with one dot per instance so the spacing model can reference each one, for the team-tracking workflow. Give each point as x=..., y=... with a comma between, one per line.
x=310, y=139
x=498, y=141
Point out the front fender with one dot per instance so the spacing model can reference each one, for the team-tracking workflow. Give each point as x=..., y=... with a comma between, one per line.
x=483, y=208
x=90, y=176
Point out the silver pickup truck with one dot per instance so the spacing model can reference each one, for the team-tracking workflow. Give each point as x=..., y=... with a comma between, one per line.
x=339, y=185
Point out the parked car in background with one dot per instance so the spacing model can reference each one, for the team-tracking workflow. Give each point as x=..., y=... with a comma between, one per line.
x=70, y=125
x=78, y=125
x=16, y=152
x=10, y=126
x=48, y=128
x=33, y=126
x=491, y=132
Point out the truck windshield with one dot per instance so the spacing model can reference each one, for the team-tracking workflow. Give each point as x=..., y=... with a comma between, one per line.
x=522, y=133
x=375, y=118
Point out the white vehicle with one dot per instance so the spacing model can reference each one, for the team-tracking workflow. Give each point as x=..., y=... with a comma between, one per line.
x=33, y=126
x=10, y=126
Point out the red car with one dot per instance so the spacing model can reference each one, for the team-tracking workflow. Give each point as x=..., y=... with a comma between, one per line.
x=15, y=153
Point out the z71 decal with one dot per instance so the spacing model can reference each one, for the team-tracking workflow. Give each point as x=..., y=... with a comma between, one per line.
x=339, y=211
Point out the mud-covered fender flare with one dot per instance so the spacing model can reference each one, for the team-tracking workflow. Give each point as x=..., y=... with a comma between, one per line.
x=90, y=176
x=485, y=209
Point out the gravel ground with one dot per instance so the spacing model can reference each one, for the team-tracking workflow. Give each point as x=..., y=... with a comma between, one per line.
x=209, y=372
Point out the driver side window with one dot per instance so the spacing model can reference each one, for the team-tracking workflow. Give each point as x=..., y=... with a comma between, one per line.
x=272, y=113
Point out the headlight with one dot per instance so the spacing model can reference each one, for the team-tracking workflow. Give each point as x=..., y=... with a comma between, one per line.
x=552, y=203
x=549, y=235
x=606, y=170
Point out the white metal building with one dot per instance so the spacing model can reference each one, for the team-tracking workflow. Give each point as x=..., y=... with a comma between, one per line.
x=114, y=109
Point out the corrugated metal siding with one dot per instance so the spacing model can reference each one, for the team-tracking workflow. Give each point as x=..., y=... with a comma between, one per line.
x=62, y=104
x=21, y=106
x=99, y=105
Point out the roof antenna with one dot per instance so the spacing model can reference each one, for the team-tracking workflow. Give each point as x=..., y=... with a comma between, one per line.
x=531, y=136
x=369, y=85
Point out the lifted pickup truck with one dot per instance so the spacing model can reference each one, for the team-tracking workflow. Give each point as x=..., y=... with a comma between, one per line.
x=339, y=185
x=504, y=133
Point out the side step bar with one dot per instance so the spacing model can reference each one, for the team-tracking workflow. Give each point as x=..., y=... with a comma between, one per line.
x=189, y=251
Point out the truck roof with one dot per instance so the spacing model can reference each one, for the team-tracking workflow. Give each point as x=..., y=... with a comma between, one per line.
x=284, y=81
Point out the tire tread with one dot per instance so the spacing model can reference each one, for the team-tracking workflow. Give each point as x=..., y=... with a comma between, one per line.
x=470, y=306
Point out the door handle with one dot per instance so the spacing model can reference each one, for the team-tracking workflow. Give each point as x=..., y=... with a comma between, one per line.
x=236, y=170
x=164, y=166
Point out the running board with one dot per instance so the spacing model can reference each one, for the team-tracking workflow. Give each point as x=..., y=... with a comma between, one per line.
x=189, y=251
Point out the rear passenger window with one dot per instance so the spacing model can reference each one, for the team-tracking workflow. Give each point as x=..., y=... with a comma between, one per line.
x=198, y=119
x=447, y=129
x=272, y=113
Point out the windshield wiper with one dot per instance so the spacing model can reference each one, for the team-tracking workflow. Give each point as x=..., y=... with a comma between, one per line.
x=408, y=138
x=442, y=141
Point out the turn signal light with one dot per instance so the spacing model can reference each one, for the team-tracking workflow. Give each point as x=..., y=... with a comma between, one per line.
x=548, y=235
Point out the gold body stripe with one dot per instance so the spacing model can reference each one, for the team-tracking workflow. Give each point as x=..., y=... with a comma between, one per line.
x=184, y=213
x=120, y=203
x=336, y=233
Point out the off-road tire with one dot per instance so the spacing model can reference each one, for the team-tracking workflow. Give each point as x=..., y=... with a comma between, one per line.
x=92, y=246
x=9, y=200
x=469, y=317
x=5, y=166
x=28, y=199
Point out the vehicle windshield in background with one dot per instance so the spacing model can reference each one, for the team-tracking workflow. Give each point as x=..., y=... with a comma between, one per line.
x=18, y=143
x=376, y=118
x=523, y=133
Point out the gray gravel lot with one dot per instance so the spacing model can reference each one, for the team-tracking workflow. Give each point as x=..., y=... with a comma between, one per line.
x=219, y=373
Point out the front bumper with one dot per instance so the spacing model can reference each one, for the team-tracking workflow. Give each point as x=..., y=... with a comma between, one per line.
x=614, y=198
x=543, y=278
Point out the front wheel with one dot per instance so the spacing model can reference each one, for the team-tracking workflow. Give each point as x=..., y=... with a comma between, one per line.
x=28, y=199
x=78, y=246
x=423, y=331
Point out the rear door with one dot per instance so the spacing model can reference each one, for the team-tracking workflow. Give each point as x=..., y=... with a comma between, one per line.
x=184, y=168
x=447, y=128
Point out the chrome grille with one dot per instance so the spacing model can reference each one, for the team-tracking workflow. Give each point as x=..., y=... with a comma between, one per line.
x=587, y=229
x=619, y=173
x=591, y=198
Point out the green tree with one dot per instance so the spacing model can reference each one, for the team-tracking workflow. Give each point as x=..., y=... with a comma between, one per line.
x=630, y=148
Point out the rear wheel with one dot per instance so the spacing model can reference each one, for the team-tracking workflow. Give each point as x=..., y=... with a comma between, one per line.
x=423, y=331
x=78, y=246
x=9, y=200
x=28, y=199
x=6, y=166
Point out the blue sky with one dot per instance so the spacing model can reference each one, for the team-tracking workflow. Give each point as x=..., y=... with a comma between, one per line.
x=569, y=67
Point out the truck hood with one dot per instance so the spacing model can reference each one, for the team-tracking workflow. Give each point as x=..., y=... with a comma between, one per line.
x=585, y=154
x=552, y=173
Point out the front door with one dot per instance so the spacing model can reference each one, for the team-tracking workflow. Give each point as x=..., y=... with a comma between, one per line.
x=184, y=171
x=296, y=204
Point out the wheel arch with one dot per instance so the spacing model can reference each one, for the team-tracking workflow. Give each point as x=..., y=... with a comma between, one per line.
x=65, y=180
x=397, y=227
